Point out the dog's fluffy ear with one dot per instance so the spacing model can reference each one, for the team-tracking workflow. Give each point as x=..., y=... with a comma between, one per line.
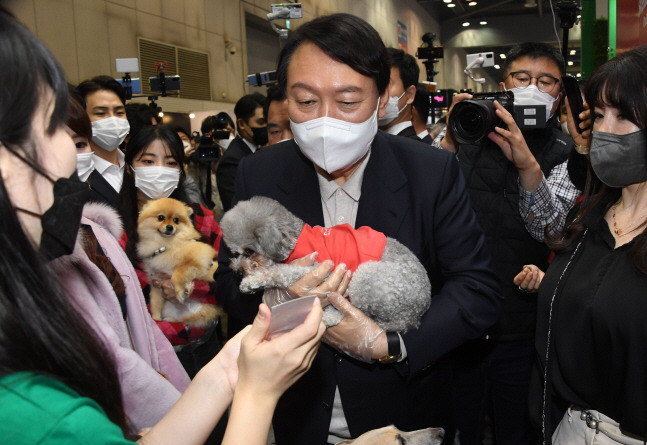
x=273, y=242
x=189, y=210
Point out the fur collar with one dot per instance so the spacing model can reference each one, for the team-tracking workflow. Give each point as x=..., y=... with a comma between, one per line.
x=100, y=214
x=105, y=216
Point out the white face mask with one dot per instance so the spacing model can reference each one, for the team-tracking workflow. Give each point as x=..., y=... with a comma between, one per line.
x=392, y=110
x=333, y=144
x=531, y=95
x=156, y=182
x=110, y=132
x=84, y=165
x=224, y=143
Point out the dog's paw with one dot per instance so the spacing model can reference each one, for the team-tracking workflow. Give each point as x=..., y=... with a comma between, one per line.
x=331, y=316
x=182, y=293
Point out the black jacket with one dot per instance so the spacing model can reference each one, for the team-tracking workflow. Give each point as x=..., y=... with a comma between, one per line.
x=101, y=190
x=493, y=186
x=417, y=196
x=226, y=171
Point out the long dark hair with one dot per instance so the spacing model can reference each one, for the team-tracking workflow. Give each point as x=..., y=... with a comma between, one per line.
x=619, y=83
x=127, y=200
x=40, y=331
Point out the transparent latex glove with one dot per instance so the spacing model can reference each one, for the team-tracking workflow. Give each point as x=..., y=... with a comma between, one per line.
x=356, y=335
x=319, y=281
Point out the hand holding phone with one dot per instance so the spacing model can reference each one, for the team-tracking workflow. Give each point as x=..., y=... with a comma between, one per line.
x=575, y=102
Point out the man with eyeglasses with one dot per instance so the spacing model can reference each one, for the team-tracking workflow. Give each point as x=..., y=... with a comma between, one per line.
x=519, y=186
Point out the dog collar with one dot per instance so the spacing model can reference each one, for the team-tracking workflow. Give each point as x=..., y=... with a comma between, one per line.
x=158, y=251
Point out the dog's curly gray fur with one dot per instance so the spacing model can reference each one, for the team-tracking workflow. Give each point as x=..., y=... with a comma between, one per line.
x=395, y=291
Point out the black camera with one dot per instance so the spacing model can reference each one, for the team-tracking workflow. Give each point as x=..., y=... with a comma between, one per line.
x=206, y=148
x=473, y=119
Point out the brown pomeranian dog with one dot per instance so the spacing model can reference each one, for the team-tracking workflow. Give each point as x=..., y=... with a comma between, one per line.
x=168, y=243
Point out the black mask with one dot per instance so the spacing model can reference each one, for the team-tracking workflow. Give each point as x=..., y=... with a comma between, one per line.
x=62, y=220
x=259, y=136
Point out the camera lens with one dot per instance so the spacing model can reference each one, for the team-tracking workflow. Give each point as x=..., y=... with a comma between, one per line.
x=472, y=120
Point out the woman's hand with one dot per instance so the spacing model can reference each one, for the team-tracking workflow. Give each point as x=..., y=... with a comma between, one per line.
x=529, y=278
x=164, y=283
x=267, y=367
x=584, y=139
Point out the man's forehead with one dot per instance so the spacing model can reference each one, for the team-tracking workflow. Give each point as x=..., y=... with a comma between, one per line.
x=534, y=65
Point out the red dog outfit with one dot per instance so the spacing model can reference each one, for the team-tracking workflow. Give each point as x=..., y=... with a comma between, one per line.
x=341, y=244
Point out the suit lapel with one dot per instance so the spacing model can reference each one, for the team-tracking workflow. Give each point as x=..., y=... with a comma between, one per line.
x=300, y=189
x=384, y=201
x=102, y=188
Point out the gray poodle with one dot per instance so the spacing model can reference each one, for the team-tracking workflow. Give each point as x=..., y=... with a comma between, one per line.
x=261, y=234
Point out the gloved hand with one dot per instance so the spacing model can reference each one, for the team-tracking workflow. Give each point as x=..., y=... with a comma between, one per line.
x=356, y=335
x=316, y=282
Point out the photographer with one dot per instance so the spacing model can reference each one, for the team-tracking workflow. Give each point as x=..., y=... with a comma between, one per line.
x=203, y=161
x=505, y=173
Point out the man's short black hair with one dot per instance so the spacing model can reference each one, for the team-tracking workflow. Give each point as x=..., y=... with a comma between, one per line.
x=246, y=106
x=139, y=116
x=421, y=101
x=345, y=38
x=406, y=65
x=274, y=93
x=102, y=83
x=534, y=50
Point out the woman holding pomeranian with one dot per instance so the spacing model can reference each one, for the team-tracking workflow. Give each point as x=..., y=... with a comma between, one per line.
x=58, y=383
x=154, y=169
x=591, y=385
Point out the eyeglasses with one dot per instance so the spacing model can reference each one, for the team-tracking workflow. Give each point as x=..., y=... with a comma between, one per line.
x=545, y=83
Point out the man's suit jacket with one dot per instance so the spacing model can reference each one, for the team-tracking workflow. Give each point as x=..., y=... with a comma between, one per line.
x=409, y=132
x=101, y=190
x=226, y=171
x=417, y=196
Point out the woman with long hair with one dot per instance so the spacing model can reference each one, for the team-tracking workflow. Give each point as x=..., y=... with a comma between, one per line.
x=58, y=382
x=155, y=169
x=591, y=332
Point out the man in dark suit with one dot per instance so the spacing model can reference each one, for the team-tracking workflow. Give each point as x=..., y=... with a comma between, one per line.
x=105, y=104
x=402, y=92
x=340, y=168
x=252, y=135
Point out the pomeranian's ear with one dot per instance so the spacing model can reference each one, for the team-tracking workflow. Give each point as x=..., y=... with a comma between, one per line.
x=189, y=210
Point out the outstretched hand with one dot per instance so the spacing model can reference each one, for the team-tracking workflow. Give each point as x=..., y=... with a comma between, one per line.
x=269, y=366
x=356, y=335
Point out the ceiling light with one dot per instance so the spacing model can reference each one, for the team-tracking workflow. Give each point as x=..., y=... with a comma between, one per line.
x=447, y=1
x=570, y=63
x=466, y=24
x=450, y=5
x=483, y=22
x=573, y=52
x=502, y=56
x=191, y=115
x=472, y=3
x=578, y=75
x=497, y=66
x=160, y=114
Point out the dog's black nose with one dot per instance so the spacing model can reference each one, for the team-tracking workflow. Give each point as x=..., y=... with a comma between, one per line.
x=168, y=230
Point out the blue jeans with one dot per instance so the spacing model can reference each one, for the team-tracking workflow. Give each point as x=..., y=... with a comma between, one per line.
x=493, y=378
